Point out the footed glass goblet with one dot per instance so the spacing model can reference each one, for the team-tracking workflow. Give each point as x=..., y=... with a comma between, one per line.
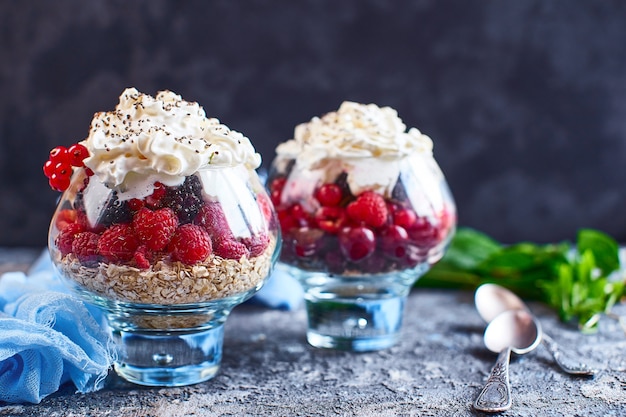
x=166, y=264
x=357, y=248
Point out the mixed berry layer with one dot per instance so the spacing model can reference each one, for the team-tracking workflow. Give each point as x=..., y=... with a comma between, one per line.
x=174, y=223
x=348, y=234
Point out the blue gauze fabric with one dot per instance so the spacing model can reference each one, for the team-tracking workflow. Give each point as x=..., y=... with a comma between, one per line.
x=49, y=337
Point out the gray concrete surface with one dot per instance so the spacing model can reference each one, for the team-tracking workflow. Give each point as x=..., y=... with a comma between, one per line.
x=437, y=370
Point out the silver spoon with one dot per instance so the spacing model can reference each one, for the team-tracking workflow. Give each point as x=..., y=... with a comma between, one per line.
x=512, y=330
x=492, y=299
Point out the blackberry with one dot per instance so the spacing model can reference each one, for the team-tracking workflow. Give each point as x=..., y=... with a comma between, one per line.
x=399, y=192
x=185, y=199
x=115, y=212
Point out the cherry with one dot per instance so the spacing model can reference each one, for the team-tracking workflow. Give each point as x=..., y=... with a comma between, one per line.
x=307, y=241
x=394, y=240
x=357, y=243
x=330, y=219
x=404, y=217
x=329, y=195
x=423, y=233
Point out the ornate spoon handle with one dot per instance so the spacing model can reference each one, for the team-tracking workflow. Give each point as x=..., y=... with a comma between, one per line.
x=564, y=360
x=496, y=395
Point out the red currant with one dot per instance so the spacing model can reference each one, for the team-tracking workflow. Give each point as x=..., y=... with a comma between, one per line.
x=77, y=153
x=59, y=183
x=59, y=154
x=48, y=168
x=62, y=169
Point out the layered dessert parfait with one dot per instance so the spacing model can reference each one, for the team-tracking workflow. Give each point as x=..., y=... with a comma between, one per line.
x=161, y=205
x=358, y=194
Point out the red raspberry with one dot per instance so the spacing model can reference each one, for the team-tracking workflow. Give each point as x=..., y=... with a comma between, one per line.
x=190, y=244
x=230, y=248
x=211, y=218
x=142, y=257
x=329, y=195
x=257, y=243
x=85, y=246
x=155, y=228
x=369, y=208
x=154, y=199
x=265, y=204
x=66, y=237
x=118, y=243
x=65, y=217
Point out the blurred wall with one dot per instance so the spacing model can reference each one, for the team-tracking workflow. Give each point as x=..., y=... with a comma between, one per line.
x=525, y=99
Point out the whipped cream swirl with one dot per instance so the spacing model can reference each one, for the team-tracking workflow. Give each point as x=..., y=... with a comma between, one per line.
x=365, y=141
x=354, y=131
x=164, y=138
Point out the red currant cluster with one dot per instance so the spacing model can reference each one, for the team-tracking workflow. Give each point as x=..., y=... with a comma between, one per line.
x=59, y=167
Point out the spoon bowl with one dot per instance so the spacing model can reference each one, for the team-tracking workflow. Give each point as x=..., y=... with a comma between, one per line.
x=512, y=330
x=516, y=329
x=491, y=300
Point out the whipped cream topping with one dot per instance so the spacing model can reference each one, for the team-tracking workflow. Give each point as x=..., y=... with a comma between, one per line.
x=355, y=131
x=364, y=140
x=163, y=138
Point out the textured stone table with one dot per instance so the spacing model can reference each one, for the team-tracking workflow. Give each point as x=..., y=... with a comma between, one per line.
x=437, y=370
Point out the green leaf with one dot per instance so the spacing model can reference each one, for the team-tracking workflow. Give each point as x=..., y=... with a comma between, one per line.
x=575, y=280
x=604, y=248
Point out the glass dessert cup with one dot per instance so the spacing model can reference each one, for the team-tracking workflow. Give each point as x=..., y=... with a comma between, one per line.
x=358, y=253
x=166, y=264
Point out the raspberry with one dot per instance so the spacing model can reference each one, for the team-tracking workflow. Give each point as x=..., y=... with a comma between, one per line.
x=118, y=243
x=154, y=199
x=265, y=205
x=155, y=228
x=257, y=243
x=65, y=217
x=66, y=237
x=229, y=248
x=369, y=208
x=85, y=247
x=190, y=244
x=329, y=195
x=211, y=217
x=142, y=257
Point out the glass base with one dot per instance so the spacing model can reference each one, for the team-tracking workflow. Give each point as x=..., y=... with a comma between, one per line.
x=354, y=324
x=168, y=359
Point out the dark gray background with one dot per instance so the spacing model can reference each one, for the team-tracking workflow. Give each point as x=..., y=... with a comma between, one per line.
x=525, y=99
